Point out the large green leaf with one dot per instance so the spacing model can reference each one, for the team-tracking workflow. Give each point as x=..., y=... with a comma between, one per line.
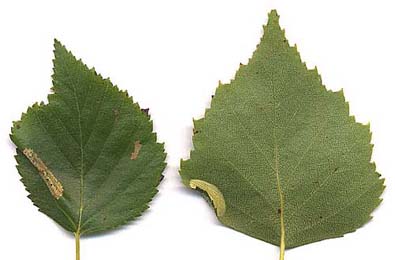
x=279, y=155
x=88, y=158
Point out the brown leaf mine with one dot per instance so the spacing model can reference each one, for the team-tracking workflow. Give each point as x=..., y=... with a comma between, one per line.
x=54, y=186
x=135, y=153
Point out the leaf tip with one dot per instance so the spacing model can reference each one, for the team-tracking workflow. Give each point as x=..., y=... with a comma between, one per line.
x=58, y=46
x=274, y=14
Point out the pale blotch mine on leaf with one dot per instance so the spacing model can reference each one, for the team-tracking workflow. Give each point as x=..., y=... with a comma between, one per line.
x=213, y=192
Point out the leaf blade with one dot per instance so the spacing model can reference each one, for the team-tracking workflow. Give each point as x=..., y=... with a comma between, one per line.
x=85, y=135
x=276, y=131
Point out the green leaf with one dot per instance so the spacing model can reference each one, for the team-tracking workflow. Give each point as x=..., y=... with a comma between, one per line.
x=279, y=155
x=88, y=158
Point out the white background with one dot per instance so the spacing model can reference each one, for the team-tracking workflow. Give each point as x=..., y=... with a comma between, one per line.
x=170, y=55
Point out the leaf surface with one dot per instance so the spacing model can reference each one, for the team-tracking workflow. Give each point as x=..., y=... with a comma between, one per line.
x=279, y=155
x=88, y=158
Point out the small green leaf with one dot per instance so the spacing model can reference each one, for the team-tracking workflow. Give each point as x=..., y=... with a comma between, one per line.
x=88, y=158
x=290, y=164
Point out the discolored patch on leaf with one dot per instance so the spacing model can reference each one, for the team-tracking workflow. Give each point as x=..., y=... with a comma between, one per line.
x=54, y=186
x=136, y=151
x=213, y=192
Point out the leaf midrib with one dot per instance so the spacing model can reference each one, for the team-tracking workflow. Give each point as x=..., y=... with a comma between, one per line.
x=81, y=207
x=277, y=172
x=276, y=167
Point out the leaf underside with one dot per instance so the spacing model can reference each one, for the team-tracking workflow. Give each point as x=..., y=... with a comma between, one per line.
x=275, y=133
x=94, y=144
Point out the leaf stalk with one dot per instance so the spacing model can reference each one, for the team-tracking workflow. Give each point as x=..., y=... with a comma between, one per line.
x=77, y=245
x=282, y=244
